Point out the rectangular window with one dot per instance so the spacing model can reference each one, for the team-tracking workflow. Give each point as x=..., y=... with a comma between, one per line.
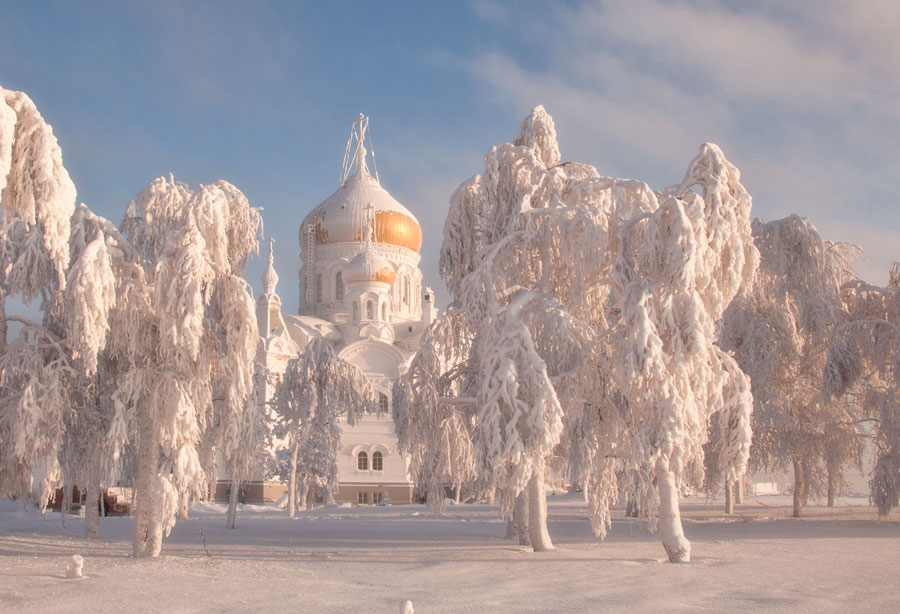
x=362, y=498
x=377, y=497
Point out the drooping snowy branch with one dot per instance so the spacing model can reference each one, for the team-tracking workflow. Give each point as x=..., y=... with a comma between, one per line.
x=317, y=392
x=778, y=329
x=864, y=353
x=432, y=424
x=617, y=271
x=186, y=323
x=37, y=195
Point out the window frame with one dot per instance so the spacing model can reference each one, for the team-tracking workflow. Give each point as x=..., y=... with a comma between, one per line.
x=338, y=286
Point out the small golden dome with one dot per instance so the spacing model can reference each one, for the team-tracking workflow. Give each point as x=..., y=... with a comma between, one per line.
x=368, y=266
x=386, y=275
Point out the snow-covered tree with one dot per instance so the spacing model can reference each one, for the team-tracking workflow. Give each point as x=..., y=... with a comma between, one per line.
x=864, y=356
x=38, y=199
x=148, y=333
x=51, y=421
x=778, y=330
x=317, y=391
x=185, y=325
x=433, y=409
x=593, y=302
x=678, y=269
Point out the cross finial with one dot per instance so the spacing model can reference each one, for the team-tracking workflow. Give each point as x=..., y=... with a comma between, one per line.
x=270, y=277
x=357, y=155
x=362, y=122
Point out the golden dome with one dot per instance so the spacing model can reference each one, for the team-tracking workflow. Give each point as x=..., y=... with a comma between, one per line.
x=395, y=228
x=386, y=275
x=341, y=218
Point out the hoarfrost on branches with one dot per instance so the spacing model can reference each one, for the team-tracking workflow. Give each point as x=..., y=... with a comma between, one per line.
x=778, y=329
x=433, y=410
x=864, y=357
x=317, y=391
x=558, y=270
x=187, y=295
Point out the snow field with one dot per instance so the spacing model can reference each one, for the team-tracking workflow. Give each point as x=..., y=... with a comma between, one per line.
x=374, y=558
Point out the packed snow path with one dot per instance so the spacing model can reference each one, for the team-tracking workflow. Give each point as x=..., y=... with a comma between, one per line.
x=373, y=558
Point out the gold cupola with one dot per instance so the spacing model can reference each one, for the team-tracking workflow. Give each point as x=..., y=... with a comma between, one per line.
x=344, y=216
x=368, y=266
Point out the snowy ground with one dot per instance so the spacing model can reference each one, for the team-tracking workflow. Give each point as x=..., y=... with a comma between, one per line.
x=370, y=559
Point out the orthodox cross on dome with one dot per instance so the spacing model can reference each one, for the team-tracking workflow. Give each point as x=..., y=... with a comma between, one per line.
x=358, y=133
x=270, y=277
x=370, y=222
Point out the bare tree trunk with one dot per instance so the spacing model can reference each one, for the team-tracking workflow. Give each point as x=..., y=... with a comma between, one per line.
x=798, y=488
x=458, y=492
x=91, y=512
x=65, y=503
x=232, y=504
x=292, y=482
x=520, y=518
x=303, y=501
x=631, y=507
x=155, y=532
x=739, y=491
x=832, y=485
x=4, y=327
x=729, y=502
x=511, y=527
x=145, y=494
x=671, y=533
x=537, y=511
x=185, y=507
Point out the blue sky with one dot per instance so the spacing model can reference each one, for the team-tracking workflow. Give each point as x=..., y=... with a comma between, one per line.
x=802, y=96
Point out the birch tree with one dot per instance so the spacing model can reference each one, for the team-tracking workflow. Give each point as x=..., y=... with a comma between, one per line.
x=433, y=410
x=864, y=356
x=317, y=392
x=42, y=371
x=778, y=329
x=559, y=270
x=186, y=327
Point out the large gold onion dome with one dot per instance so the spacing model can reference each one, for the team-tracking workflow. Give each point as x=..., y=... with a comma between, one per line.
x=342, y=217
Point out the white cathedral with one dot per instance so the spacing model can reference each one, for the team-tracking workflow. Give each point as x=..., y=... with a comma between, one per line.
x=360, y=289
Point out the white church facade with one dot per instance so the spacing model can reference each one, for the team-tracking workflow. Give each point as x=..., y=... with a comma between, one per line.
x=360, y=289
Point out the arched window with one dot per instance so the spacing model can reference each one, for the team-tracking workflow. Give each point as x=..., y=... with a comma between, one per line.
x=384, y=312
x=377, y=461
x=362, y=461
x=382, y=402
x=370, y=310
x=406, y=290
x=338, y=287
x=318, y=287
x=355, y=310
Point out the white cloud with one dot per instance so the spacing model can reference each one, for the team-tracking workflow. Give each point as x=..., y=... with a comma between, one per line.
x=801, y=96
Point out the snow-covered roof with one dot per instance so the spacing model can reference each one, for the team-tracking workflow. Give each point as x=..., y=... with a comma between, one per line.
x=303, y=328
